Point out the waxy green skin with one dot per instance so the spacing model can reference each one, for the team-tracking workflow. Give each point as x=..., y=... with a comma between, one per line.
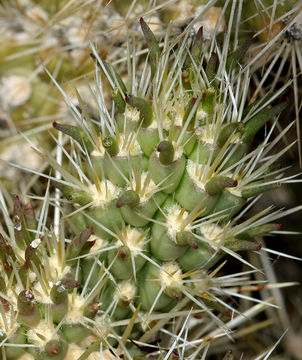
x=170, y=173
x=127, y=208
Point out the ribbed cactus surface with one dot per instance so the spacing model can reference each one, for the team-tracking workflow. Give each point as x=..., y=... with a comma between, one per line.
x=156, y=188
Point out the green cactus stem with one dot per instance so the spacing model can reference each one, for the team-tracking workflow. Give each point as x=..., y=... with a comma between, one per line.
x=28, y=312
x=111, y=145
x=218, y=183
x=129, y=198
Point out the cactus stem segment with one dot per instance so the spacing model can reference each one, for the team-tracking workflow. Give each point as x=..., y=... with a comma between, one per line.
x=256, y=122
x=144, y=108
x=111, y=145
x=129, y=198
x=218, y=183
x=258, y=187
x=76, y=133
x=166, y=152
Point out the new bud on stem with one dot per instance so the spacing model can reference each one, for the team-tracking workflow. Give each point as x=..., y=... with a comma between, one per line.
x=111, y=145
x=218, y=183
x=144, y=108
x=28, y=313
x=166, y=152
x=129, y=198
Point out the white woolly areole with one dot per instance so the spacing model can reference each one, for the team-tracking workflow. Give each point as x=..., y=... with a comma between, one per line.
x=149, y=190
x=99, y=152
x=14, y=90
x=174, y=221
x=128, y=145
x=134, y=240
x=107, y=193
x=170, y=275
x=47, y=332
x=76, y=305
x=196, y=173
x=98, y=245
x=211, y=232
x=207, y=133
x=125, y=291
x=132, y=114
x=55, y=274
x=178, y=150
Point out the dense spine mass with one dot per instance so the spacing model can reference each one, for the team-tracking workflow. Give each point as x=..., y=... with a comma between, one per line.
x=156, y=200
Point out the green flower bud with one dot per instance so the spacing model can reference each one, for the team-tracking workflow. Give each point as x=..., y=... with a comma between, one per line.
x=154, y=50
x=28, y=312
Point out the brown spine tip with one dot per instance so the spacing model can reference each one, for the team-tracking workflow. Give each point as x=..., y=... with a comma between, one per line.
x=122, y=254
x=5, y=304
x=119, y=204
x=54, y=350
x=176, y=296
x=259, y=246
x=54, y=124
x=200, y=30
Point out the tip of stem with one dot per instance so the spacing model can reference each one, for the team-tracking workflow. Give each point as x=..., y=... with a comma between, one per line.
x=122, y=254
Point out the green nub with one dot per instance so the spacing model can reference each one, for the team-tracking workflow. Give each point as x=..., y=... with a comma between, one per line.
x=111, y=145
x=166, y=152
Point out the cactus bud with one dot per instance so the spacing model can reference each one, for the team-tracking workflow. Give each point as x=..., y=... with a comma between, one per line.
x=28, y=314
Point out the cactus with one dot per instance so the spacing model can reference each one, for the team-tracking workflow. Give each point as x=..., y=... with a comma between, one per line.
x=156, y=190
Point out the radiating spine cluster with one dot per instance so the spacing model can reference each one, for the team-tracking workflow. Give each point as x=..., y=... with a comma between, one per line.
x=161, y=182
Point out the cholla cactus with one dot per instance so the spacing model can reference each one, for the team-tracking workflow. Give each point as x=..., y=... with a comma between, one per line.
x=163, y=179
